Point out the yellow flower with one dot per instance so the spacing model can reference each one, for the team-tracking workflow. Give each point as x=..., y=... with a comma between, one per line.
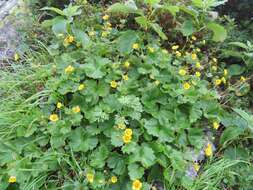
x=136, y=185
x=104, y=34
x=76, y=109
x=127, y=139
x=114, y=84
x=90, y=177
x=151, y=50
x=59, y=105
x=216, y=125
x=157, y=82
x=178, y=54
x=12, y=179
x=194, y=38
x=128, y=132
x=214, y=68
x=125, y=77
x=208, y=150
x=194, y=56
x=53, y=117
x=135, y=46
x=16, y=57
x=92, y=33
x=81, y=87
x=198, y=65
x=214, y=60
x=127, y=64
x=106, y=17
x=186, y=85
x=121, y=126
x=114, y=179
x=69, y=69
x=243, y=79
x=69, y=39
x=182, y=72
x=225, y=72
x=196, y=167
x=175, y=47
x=108, y=24
x=198, y=74
x=198, y=50
x=217, y=82
x=223, y=80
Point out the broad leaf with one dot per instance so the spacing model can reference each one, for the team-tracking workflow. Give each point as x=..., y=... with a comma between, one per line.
x=219, y=32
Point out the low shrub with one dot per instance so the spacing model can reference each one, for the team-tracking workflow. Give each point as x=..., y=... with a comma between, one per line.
x=127, y=101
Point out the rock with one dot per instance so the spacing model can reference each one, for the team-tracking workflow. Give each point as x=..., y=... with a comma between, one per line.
x=9, y=37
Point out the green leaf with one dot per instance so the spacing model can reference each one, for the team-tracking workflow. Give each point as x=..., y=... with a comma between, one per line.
x=143, y=154
x=72, y=11
x=117, y=163
x=96, y=114
x=247, y=117
x=152, y=2
x=56, y=10
x=164, y=133
x=187, y=28
x=131, y=106
x=230, y=133
x=96, y=67
x=235, y=69
x=171, y=9
x=158, y=30
x=97, y=158
x=126, y=41
x=81, y=37
x=243, y=89
x=116, y=138
x=142, y=21
x=126, y=8
x=195, y=113
x=59, y=26
x=80, y=141
x=219, y=32
x=239, y=44
x=135, y=171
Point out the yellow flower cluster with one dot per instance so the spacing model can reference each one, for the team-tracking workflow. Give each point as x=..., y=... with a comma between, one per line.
x=68, y=40
x=216, y=125
x=186, y=85
x=12, y=179
x=69, y=69
x=81, y=87
x=125, y=77
x=59, y=105
x=53, y=117
x=151, y=50
x=114, y=84
x=182, y=72
x=126, y=64
x=136, y=185
x=127, y=136
x=208, y=150
x=196, y=167
x=114, y=179
x=90, y=177
x=106, y=17
x=135, y=46
x=76, y=109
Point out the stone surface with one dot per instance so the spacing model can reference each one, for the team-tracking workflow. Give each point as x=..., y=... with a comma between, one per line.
x=9, y=36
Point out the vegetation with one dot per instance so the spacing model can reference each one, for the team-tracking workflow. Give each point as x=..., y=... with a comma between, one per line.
x=132, y=95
